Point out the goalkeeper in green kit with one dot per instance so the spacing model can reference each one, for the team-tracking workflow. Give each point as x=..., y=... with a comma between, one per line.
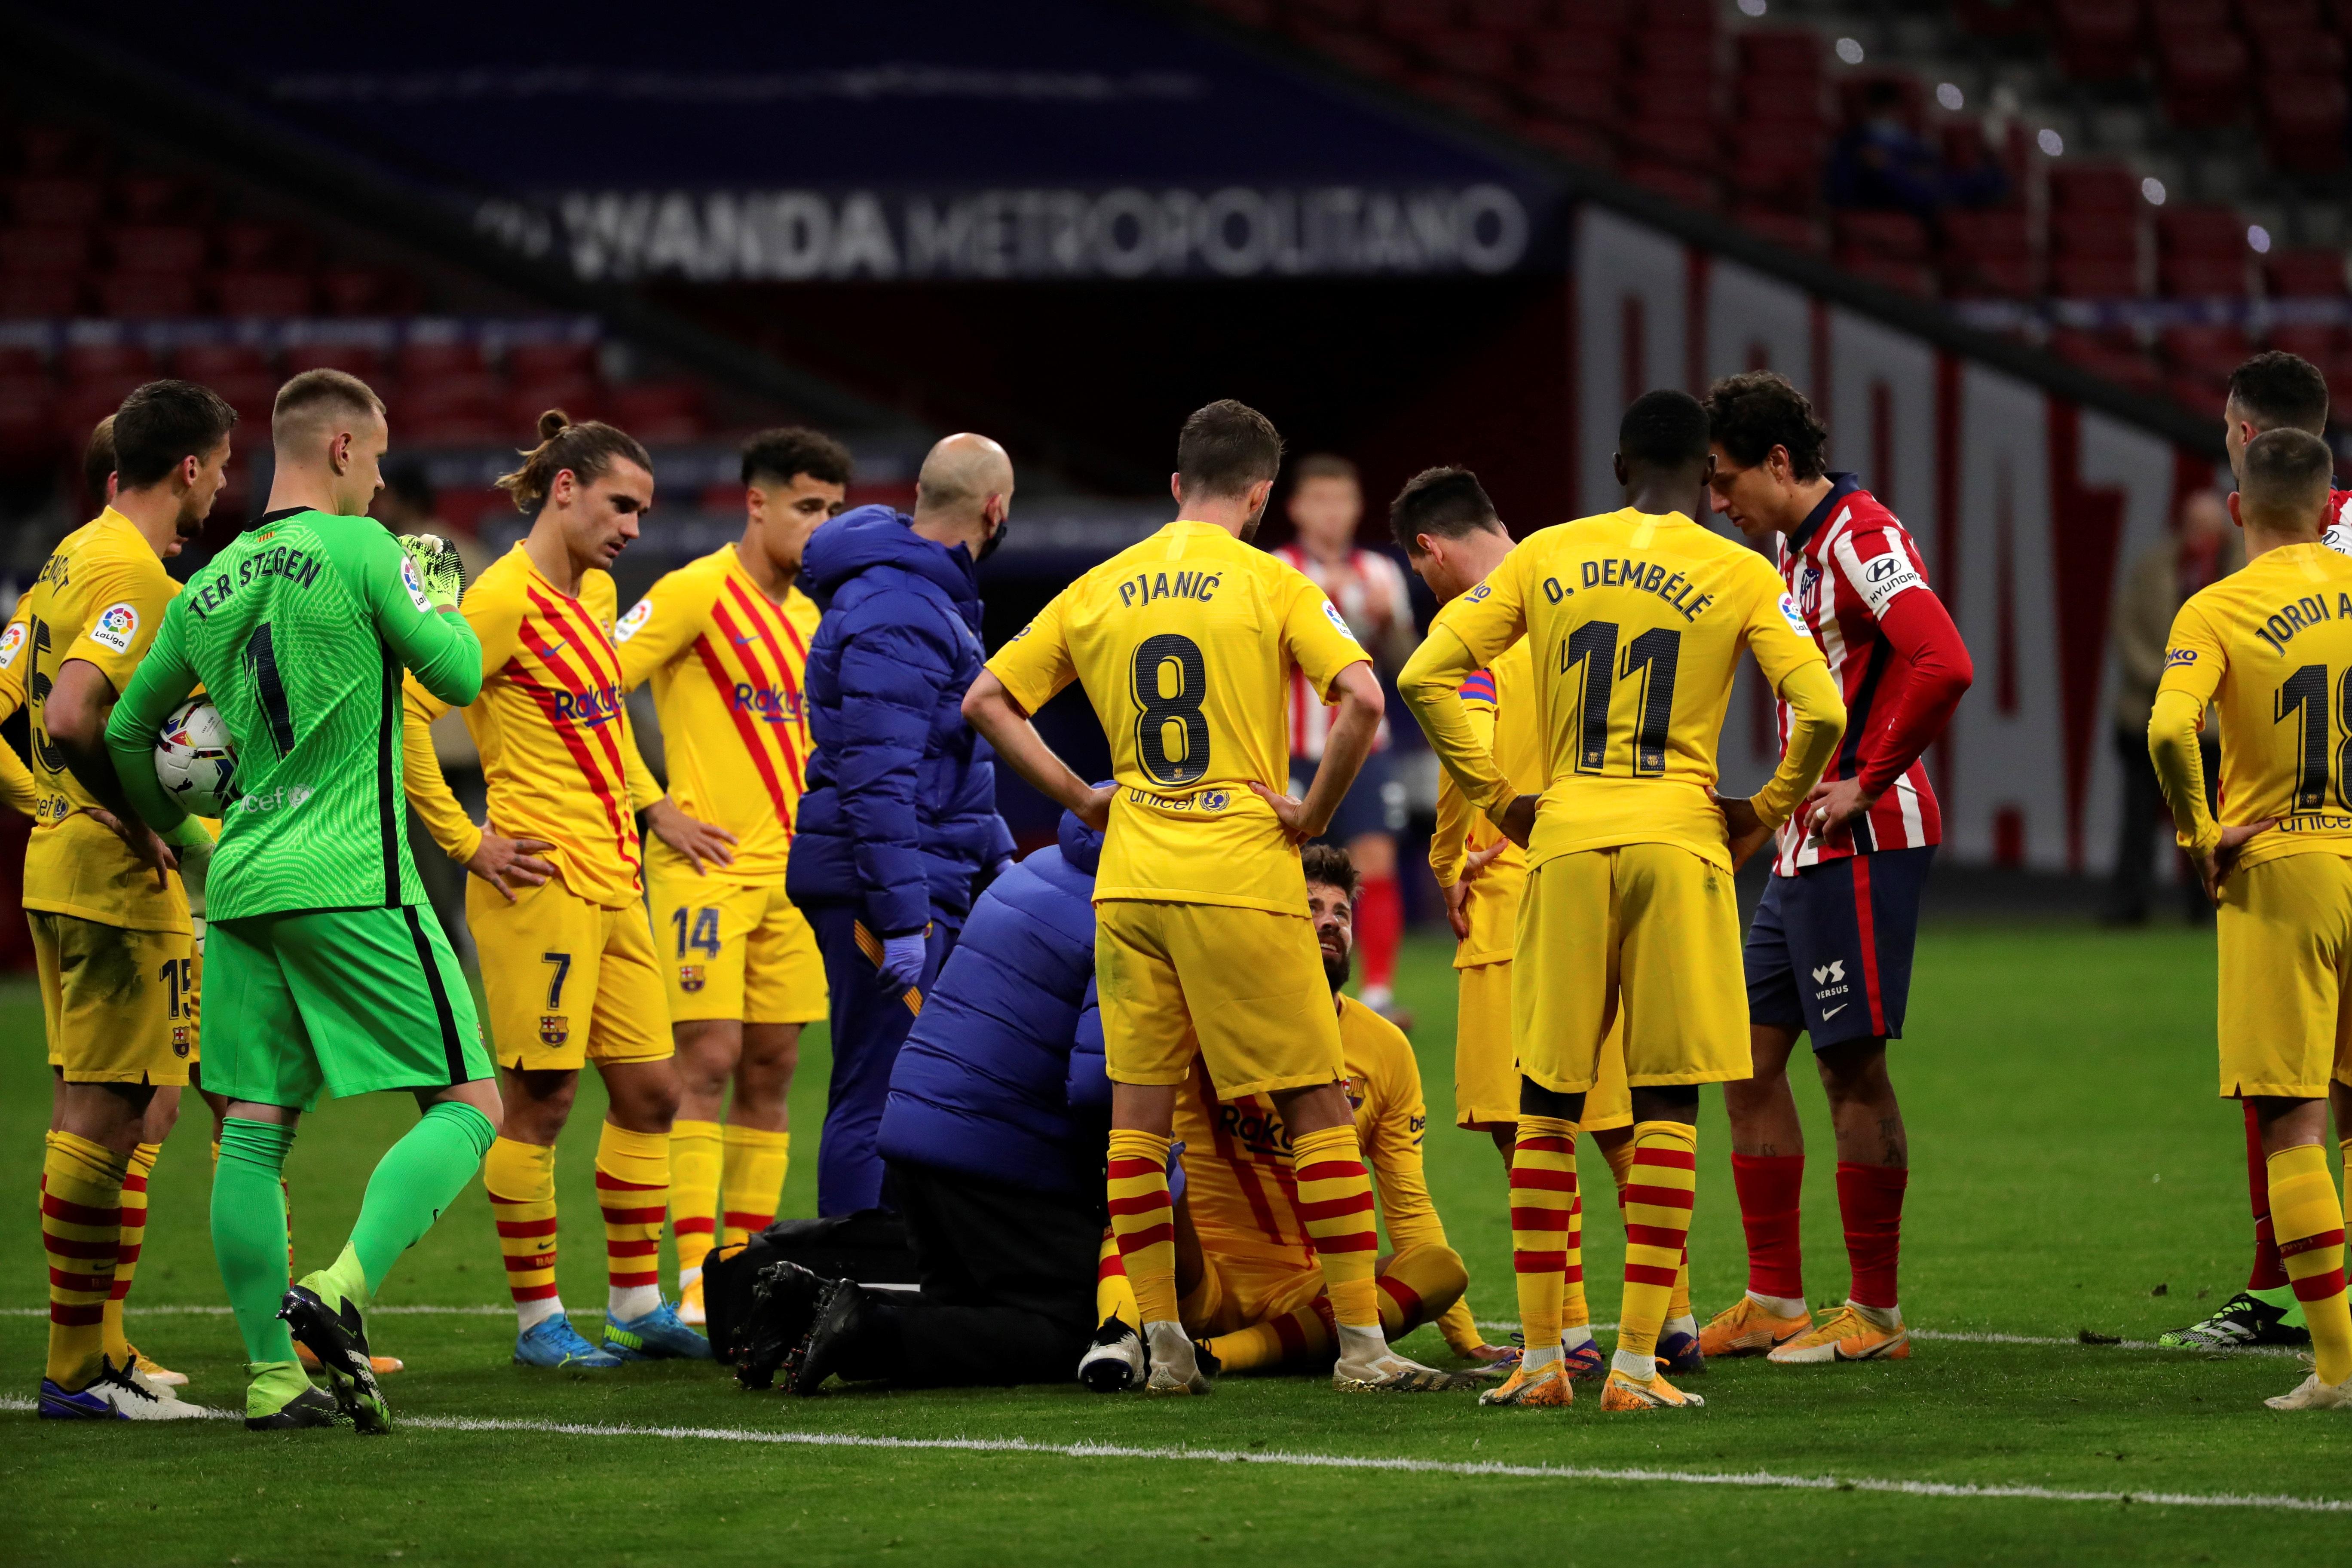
x=324, y=968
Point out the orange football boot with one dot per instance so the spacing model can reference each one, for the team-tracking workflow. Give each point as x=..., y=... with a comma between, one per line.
x=1747, y=1327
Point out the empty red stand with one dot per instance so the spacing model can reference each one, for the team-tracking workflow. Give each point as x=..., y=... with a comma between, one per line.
x=2099, y=40
x=1583, y=89
x=1790, y=230
x=1676, y=180
x=147, y=294
x=2203, y=70
x=457, y=408
x=31, y=296
x=2116, y=361
x=97, y=358
x=366, y=292
x=1507, y=16
x=1488, y=55
x=2200, y=251
x=547, y=361
x=2000, y=19
x=580, y=396
x=1778, y=163
x=208, y=362
x=428, y=359
x=160, y=198
x=20, y=361
x=251, y=394
x=2305, y=273
x=158, y=248
x=2303, y=123
x=2323, y=346
x=64, y=250
x=360, y=360
x=1988, y=252
x=27, y=424
x=1896, y=236
x=1904, y=277
x=658, y=412
x=2093, y=277
x=276, y=294
x=56, y=201
x=1576, y=141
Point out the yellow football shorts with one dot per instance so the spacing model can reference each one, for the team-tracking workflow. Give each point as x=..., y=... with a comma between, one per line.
x=566, y=981
x=733, y=952
x=1242, y=989
x=1640, y=942
x=116, y=1002
x=2285, y=931
x=1237, y=1289
x=1486, y=1061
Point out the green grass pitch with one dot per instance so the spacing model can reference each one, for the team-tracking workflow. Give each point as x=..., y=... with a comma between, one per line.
x=2071, y=1163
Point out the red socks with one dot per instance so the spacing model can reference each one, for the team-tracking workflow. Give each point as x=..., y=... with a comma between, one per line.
x=1380, y=926
x=1769, y=1187
x=2269, y=1272
x=1870, y=1200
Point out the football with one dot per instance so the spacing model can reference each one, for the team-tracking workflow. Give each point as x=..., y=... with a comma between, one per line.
x=194, y=761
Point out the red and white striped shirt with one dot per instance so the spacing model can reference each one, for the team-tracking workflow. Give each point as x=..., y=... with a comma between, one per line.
x=1368, y=591
x=2337, y=534
x=1845, y=567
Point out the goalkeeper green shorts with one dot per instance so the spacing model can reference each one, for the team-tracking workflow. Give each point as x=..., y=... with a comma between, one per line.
x=353, y=1001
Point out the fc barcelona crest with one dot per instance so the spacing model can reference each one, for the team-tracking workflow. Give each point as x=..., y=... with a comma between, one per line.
x=554, y=1029
x=690, y=977
x=180, y=1040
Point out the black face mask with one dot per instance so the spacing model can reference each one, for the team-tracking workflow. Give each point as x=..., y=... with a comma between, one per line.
x=995, y=540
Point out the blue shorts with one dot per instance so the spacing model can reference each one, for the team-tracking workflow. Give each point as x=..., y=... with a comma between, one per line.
x=1829, y=953
x=1375, y=802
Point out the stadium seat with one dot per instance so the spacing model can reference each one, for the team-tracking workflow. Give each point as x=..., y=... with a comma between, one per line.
x=458, y=408
x=2000, y=19
x=2095, y=277
x=2116, y=361
x=2305, y=273
x=1987, y=252
x=147, y=294
x=269, y=294
x=56, y=201
x=44, y=249
x=97, y=358
x=2303, y=123
x=209, y=362
x=658, y=413
x=547, y=361
x=2099, y=40
x=580, y=396
x=1577, y=142
x=1895, y=236
x=160, y=199
x=432, y=359
x=2204, y=76
x=251, y=394
x=1676, y=180
x=366, y=290
x=1790, y=230
x=2201, y=252
x=1583, y=90
x=361, y=360
x=36, y=295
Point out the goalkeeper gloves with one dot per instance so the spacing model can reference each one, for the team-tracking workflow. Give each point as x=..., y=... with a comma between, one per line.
x=438, y=569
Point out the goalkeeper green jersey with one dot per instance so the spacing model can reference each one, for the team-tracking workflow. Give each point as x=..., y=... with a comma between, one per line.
x=300, y=631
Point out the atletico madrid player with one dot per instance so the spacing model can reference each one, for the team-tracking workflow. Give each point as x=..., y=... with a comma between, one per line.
x=1829, y=953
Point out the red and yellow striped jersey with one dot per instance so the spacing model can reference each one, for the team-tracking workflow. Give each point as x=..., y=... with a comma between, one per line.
x=554, y=733
x=1237, y=1174
x=725, y=662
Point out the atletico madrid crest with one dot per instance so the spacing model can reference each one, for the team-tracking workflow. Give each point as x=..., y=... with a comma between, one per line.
x=690, y=977
x=554, y=1029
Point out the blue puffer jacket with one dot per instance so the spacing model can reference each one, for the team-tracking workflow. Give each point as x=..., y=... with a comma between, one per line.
x=899, y=816
x=997, y=1078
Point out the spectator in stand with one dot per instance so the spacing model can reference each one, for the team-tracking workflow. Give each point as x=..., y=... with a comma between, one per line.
x=1882, y=163
x=1368, y=588
x=406, y=505
x=2203, y=549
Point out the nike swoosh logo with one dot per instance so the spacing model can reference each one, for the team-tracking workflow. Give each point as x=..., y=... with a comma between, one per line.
x=1830, y=1013
x=752, y=638
x=555, y=647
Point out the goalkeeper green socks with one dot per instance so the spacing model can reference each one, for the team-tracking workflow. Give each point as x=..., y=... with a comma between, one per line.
x=250, y=1233
x=417, y=1178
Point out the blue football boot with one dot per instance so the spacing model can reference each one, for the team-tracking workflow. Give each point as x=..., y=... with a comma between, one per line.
x=553, y=1341
x=656, y=1336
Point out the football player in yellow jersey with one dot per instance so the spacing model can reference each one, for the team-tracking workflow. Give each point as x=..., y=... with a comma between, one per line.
x=109, y=918
x=1250, y=1292
x=2270, y=648
x=725, y=640
x=568, y=967
x=1635, y=621
x=1185, y=644
x=1453, y=538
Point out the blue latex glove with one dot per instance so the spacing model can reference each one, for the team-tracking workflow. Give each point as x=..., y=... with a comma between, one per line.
x=1001, y=867
x=902, y=960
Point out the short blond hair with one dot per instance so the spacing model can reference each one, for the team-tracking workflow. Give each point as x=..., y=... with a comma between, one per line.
x=315, y=394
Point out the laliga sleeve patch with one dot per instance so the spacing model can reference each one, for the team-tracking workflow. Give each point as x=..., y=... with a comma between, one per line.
x=1790, y=613
x=12, y=642
x=415, y=587
x=115, y=627
x=1339, y=620
x=639, y=613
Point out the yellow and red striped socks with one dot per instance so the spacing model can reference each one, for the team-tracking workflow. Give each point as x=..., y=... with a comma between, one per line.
x=695, y=1155
x=1143, y=1221
x=1114, y=1297
x=1657, y=1229
x=1547, y=1240
x=1335, y=1204
x=81, y=1231
x=519, y=1180
x=2309, y=1221
x=633, y=1189
x=133, y=1236
x=757, y=1160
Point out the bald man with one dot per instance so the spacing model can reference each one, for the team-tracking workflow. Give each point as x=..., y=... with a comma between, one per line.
x=897, y=829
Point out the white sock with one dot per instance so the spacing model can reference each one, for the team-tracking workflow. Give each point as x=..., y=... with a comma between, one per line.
x=1780, y=1306
x=688, y=1278
x=627, y=1303
x=1363, y=1344
x=1376, y=997
x=1888, y=1318
x=1641, y=1367
x=528, y=1315
x=1575, y=1338
x=1536, y=1361
x=1685, y=1325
